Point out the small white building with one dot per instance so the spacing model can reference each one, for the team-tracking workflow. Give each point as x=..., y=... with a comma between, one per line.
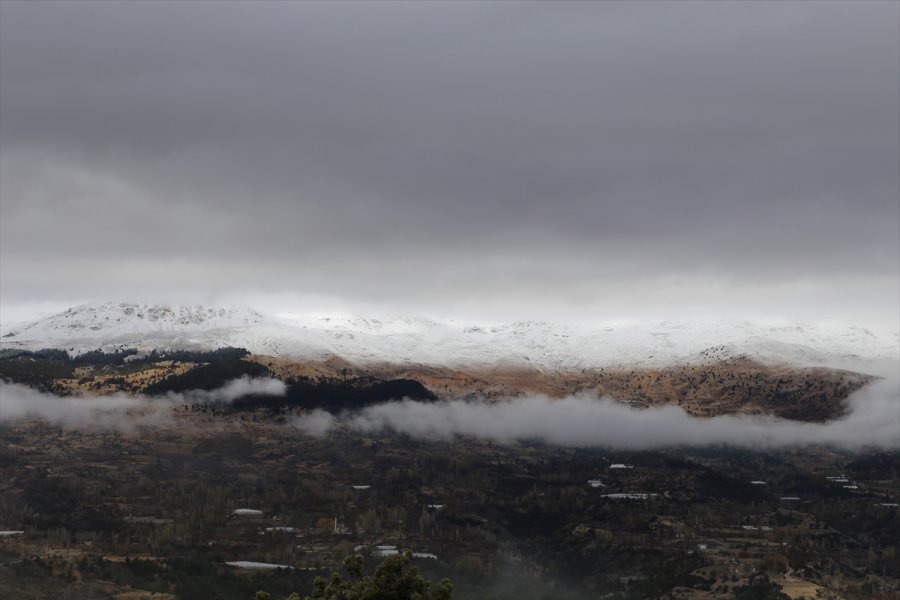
x=246, y=512
x=386, y=550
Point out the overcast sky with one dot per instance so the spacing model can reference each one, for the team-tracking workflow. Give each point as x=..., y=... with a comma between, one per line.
x=488, y=160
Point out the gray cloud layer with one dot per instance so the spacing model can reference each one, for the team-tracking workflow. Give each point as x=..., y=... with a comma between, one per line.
x=579, y=154
x=119, y=411
x=873, y=421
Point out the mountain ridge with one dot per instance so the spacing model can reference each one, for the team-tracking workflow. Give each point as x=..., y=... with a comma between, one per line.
x=541, y=345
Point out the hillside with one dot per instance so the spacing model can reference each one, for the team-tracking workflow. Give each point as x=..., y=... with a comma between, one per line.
x=707, y=368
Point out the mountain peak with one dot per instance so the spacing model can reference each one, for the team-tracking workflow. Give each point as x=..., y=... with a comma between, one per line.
x=108, y=314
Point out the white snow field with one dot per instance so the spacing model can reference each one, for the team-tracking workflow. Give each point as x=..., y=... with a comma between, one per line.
x=406, y=340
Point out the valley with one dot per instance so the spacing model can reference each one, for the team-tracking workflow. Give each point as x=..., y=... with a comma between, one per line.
x=151, y=514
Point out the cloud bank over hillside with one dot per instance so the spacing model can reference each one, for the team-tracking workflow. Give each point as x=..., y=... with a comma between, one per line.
x=119, y=411
x=873, y=421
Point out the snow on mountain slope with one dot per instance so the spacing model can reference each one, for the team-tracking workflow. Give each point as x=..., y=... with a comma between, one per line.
x=552, y=346
x=110, y=326
x=540, y=345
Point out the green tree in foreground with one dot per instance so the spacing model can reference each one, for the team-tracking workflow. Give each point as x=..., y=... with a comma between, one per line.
x=760, y=587
x=389, y=582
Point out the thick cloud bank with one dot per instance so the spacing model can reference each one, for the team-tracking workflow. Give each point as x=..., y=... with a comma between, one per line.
x=873, y=421
x=119, y=411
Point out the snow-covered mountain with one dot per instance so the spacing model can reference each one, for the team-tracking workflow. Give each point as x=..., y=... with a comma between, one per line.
x=542, y=345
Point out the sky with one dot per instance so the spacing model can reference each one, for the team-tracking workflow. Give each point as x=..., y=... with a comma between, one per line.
x=498, y=160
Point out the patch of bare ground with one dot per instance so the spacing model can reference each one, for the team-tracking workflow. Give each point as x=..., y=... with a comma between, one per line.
x=142, y=595
x=799, y=588
x=99, y=380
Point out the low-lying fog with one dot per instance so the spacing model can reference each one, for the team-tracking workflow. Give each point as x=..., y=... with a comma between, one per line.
x=872, y=421
x=119, y=411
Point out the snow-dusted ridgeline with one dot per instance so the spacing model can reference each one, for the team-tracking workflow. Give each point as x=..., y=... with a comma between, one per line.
x=542, y=345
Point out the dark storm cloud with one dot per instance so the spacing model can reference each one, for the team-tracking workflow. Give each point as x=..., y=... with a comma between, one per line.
x=362, y=147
